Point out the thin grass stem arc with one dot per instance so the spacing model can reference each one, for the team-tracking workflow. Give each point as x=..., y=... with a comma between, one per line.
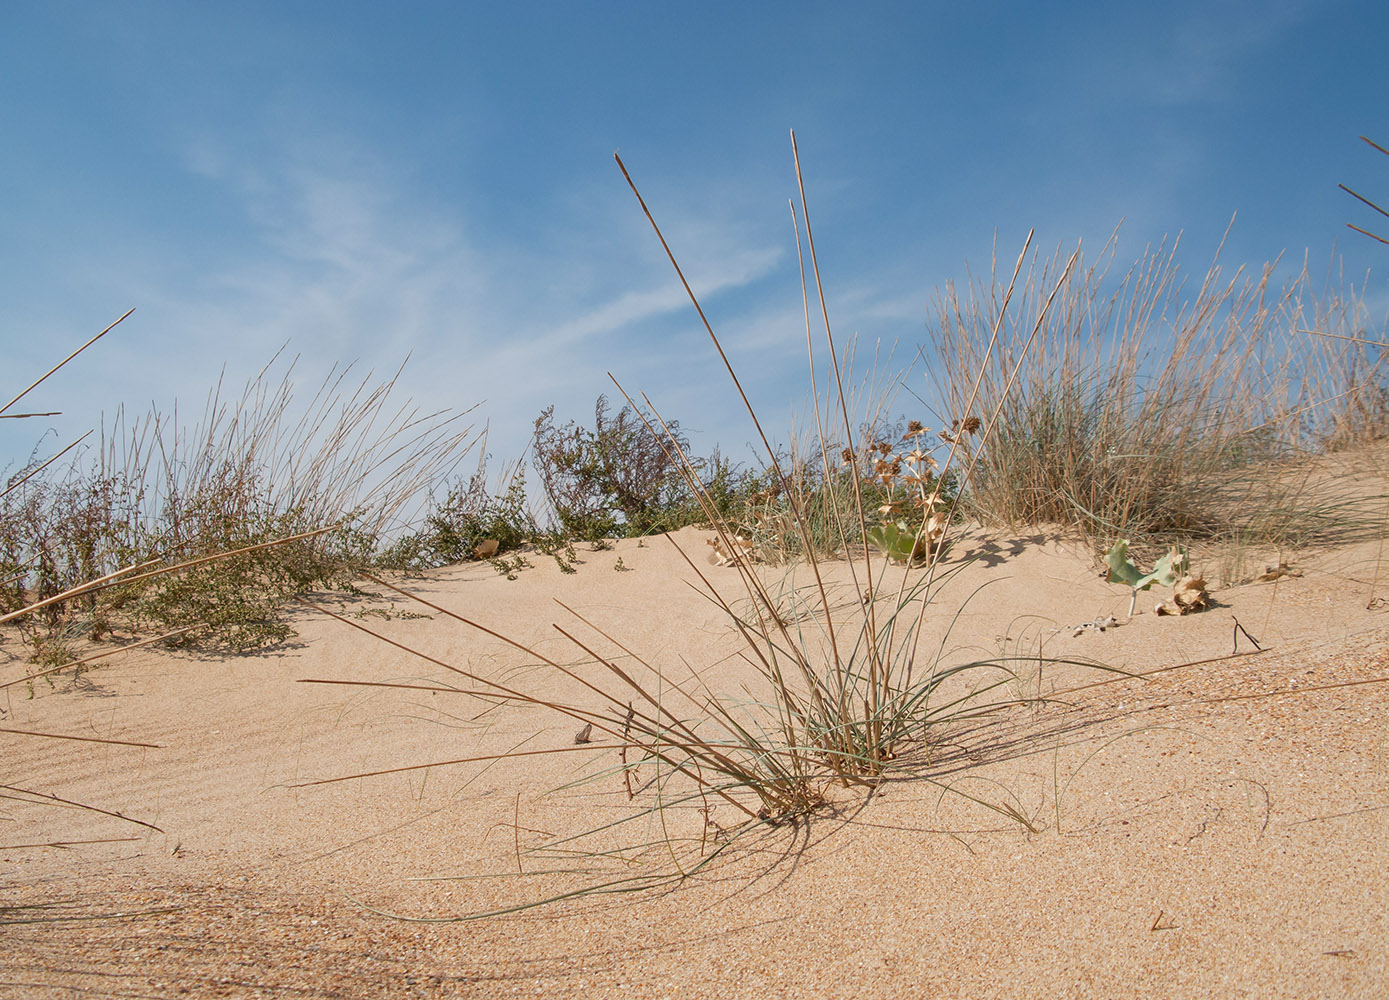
x=40, y=380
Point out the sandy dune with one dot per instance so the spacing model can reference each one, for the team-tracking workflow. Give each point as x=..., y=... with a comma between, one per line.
x=1215, y=830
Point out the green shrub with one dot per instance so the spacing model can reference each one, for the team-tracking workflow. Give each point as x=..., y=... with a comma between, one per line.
x=469, y=515
x=616, y=479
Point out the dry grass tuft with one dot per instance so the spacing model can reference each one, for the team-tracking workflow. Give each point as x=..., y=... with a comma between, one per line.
x=1148, y=413
x=305, y=493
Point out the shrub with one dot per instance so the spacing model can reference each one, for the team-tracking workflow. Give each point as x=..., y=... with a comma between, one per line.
x=468, y=516
x=615, y=479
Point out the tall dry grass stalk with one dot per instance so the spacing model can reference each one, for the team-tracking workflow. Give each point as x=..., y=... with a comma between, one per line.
x=1366, y=201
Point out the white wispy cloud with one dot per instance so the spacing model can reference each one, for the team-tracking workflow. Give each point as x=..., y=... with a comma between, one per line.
x=345, y=260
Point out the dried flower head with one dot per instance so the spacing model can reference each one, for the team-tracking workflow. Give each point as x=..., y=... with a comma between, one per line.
x=887, y=471
x=918, y=457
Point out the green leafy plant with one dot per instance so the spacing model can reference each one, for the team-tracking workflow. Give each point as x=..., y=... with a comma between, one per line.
x=1165, y=572
x=469, y=516
x=510, y=568
x=560, y=548
x=914, y=512
x=900, y=542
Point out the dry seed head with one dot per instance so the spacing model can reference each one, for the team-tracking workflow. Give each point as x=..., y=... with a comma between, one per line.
x=919, y=457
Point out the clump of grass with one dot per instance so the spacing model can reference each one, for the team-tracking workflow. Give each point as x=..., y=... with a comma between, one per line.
x=327, y=484
x=838, y=694
x=1350, y=378
x=1144, y=413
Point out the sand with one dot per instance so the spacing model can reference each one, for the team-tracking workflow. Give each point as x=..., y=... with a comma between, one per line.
x=1214, y=830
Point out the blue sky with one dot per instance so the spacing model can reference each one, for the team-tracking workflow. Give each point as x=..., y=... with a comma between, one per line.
x=371, y=180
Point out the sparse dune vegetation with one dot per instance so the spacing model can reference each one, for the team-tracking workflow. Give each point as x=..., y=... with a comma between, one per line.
x=827, y=724
x=334, y=473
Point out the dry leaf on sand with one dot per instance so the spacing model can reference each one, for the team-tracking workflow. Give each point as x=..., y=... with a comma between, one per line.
x=935, y=529
x=1188, y=595
x=726, y=553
